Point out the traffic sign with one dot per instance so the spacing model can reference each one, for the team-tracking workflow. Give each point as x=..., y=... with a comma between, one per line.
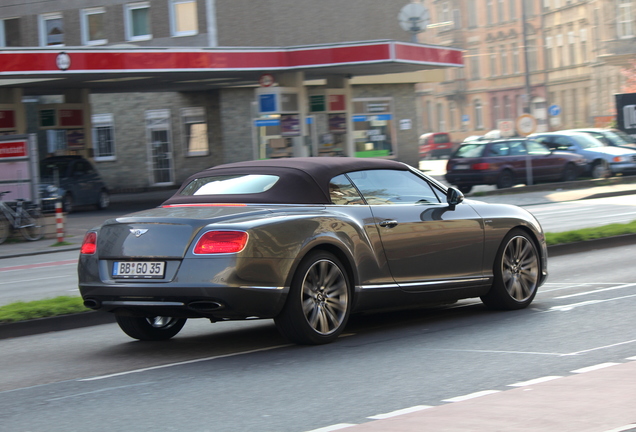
x=526, y=124
x=554, y=110
x=506, y=127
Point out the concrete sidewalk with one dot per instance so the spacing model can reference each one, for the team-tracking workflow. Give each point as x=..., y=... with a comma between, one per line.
x=600, y=400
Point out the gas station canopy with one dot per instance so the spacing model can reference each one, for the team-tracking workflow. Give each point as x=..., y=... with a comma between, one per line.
x=112, y=70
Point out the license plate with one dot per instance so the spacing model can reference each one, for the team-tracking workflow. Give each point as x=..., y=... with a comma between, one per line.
x=138, y=269
x=461, y=166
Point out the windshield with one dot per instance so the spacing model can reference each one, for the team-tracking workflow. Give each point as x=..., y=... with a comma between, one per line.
x=230, y=184
x=50, y=169
x=470, y=150
x=620, y=137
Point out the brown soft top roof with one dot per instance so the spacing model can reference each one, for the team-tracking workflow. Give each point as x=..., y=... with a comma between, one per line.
x=302, y=180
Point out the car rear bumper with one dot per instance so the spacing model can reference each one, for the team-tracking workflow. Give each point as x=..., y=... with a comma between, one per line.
x=214, y=302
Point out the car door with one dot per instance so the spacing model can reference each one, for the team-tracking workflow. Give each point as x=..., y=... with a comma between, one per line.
x=544, y=165
x=427, y=243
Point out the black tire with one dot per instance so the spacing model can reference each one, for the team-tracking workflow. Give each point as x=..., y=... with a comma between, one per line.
x=517, y=270
x=506, y=180
x=569, y=173
x=34, y=229
x=319, y=301
x=151, y=328
x=103, y=200
x=67, y=203
x=5, y=228
x=465, y=188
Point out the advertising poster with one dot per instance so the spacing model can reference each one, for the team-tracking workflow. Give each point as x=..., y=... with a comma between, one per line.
x=290, y=125
x=338, y=123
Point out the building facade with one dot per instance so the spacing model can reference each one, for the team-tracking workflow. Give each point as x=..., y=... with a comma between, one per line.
x=563, y=67
x=149, y=119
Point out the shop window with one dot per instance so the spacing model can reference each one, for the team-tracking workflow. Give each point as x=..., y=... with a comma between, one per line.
x=373, y=127
x=195, y=131
x=51, y=29
x=10, y=32
x=93, y=26
x=137, y=21
x=159, y=137
x=103, y=137
x=183, y=17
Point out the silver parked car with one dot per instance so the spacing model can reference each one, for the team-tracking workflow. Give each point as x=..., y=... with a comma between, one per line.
x=602, y=160
x=307, y=242
x=610, y=137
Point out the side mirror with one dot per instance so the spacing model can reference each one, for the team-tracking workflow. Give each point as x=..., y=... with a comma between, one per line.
x=454, y=197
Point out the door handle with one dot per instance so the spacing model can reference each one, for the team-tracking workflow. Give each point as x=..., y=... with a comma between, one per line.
x=388, y=223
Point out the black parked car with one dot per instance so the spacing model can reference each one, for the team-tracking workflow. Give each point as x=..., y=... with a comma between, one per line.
x=503, y=162
x=307, y=242
x=72, y=179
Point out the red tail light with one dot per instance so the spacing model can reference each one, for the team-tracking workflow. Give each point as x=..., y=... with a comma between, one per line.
x=89, y=245
x=480, y=166
x=213, y=242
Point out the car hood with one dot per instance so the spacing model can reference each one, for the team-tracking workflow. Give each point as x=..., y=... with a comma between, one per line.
x=167, y=232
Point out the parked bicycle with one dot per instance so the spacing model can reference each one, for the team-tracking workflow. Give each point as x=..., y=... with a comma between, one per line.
x=25, y=218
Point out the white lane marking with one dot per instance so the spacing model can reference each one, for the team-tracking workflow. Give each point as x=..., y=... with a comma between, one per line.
x=493, y=351
x=593, y=368
x=600, y=348
x=182, y=363
x=471, y=396
x=534, y=381
x=400, y=412
x=565, y=308
x=333, y=427
x=624, y=428
x=629, y=285
x=99, y=391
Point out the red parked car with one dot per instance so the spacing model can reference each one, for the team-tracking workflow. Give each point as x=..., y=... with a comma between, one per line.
x=503, y=162
x=435, y=144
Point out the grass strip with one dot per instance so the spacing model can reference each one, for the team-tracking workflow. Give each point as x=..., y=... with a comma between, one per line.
x=22, y=311
x=584, y=234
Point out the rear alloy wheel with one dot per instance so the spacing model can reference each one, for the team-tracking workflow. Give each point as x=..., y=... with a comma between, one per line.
x=104, y=200
x=600, y=170
x=516, y=271
x=569, y=173
x=319, y=301
x=67, y=203
x=505, y=180
x=156, y=328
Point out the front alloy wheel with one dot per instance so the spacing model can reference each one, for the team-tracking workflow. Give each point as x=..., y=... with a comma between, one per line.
x=319, y=303
x=150, y=328
x=516, y=271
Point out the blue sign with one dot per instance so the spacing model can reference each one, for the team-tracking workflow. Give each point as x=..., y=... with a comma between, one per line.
x=465, y=118
x=554, y=110
x=267, y=103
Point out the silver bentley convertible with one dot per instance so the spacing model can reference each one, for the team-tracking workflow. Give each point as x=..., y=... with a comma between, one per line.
x=307, y=242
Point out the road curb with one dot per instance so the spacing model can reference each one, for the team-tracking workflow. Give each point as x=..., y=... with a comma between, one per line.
x=53, y=324
x=87, y=319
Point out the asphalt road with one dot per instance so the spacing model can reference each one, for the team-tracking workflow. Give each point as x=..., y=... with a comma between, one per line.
x=244, y=376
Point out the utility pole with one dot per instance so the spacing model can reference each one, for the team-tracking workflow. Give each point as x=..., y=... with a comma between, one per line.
x=524, y=33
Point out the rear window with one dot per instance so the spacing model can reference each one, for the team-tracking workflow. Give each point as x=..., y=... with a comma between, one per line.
x=470, y=151
x=230, y=185
x=441, y=138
